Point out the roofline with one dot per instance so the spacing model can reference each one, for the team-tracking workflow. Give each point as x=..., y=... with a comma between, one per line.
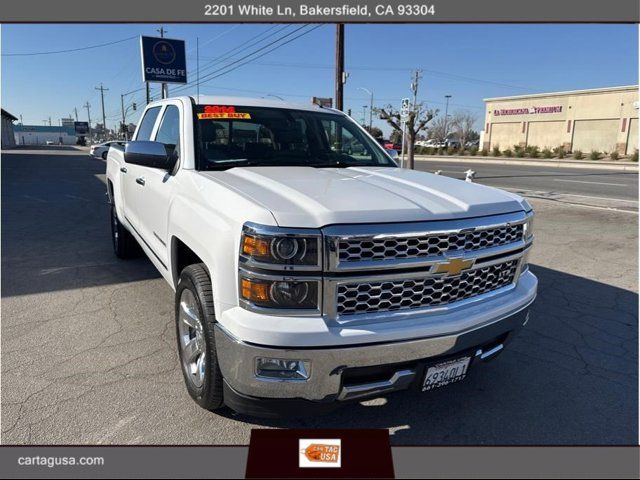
x=12, y=117
x=564, y=93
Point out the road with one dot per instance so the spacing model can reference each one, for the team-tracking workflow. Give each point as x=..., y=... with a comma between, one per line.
x=88, y=343
x=613, y=188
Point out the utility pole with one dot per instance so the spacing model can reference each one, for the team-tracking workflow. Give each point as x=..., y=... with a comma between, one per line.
x=21, y=123
x=364, y=115
x=49, y=121
x=340, y=73
x=75, y=110
x=446, y=116
x=104, y=117
x=165, y=87
x=198, y=69
x=88, y=107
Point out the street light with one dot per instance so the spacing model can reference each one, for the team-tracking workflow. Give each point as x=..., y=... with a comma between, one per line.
x=446, y=116
x=370, y=93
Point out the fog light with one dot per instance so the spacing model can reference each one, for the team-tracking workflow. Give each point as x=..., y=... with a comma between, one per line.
x=282, y=369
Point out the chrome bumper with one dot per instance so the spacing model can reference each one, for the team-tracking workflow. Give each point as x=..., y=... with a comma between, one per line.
x=325, y=383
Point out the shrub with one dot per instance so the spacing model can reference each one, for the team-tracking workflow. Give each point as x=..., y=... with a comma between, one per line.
x=439, y=151
x=594, y=155
x=508, y=153
x=461, y=151
x=577, y=154
x=533, y=151
x=634, y=157
x=451, y=150
x=546, y=153
x=614, y=155
x=484, y=152
x=496, y=151
x=559, y=152
x=474, y=150
x=520, y=152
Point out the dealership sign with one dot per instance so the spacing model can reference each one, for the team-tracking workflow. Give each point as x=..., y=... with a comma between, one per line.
x=163, y=60
x=528, y=110
x=81, y=128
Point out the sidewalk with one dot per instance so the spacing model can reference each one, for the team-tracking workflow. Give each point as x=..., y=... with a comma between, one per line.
x=536, y=162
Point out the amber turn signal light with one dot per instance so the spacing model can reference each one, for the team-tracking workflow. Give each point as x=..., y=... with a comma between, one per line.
x=254, y=291
x=254, y=246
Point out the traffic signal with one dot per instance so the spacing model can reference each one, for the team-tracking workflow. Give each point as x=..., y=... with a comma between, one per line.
x=134, y=105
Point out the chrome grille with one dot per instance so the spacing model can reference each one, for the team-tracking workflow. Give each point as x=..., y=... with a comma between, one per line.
x=388, y=248
x=383, y=296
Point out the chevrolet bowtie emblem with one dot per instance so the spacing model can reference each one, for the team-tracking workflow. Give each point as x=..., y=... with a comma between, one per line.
x=453, y=266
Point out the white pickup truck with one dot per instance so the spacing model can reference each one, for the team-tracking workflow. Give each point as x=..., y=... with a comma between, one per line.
x=309, y=270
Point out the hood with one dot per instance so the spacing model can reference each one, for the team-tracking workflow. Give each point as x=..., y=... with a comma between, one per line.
x=315, y=197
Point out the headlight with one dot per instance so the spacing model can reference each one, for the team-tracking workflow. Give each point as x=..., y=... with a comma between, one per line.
x=280, y=248
x=279, y=293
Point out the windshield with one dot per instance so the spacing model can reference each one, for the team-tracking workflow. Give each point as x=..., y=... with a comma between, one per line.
x=232, y=136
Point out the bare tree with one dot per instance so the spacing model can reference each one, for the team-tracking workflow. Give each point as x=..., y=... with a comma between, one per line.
x=462, y=124
x=417, y=121
x=438, y=130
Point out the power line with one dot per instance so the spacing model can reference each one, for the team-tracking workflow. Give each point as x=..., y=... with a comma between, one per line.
x=212, y=76
x=246, y=44
x=382, y=68
x=69, y=50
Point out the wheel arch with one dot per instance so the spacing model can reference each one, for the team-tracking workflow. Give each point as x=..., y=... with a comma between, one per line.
x=182, y=255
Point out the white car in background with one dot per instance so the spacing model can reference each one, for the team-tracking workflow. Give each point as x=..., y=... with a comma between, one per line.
x=100, y=149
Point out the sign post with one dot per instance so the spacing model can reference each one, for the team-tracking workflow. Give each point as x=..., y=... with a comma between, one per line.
x=163, y=60
x=404, y=114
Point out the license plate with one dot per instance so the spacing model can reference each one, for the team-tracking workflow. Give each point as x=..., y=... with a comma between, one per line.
x=445, y=373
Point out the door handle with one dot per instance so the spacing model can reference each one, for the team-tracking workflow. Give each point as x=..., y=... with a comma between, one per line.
x=123, y=169
x=140, y=181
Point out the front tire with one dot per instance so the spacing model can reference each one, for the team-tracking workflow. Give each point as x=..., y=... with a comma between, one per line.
x=195, y=320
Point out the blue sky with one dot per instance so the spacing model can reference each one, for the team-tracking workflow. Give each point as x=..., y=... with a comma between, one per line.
x=469, y=62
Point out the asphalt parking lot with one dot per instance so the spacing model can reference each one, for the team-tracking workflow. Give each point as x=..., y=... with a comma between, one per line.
x=88, y=343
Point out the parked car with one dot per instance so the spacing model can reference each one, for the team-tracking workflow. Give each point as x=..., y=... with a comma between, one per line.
x=100, y=149
x=393, y=146
x=472, y=143
x=451, y=143
x=432, y=143
x=305, y=278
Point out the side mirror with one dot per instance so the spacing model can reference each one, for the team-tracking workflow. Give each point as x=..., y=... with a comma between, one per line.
x=149, y=154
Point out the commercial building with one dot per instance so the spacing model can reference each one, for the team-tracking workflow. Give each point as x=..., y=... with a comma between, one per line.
x=602, y=119
x=8, y=140
x=41, y=134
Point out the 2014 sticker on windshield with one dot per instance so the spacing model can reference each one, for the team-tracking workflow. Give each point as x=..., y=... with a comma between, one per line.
x=222, y=111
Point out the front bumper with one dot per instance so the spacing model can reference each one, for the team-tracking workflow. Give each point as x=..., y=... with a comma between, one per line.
x=330, y=376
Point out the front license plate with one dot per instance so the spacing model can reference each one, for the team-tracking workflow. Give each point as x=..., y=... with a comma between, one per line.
x=445, y=373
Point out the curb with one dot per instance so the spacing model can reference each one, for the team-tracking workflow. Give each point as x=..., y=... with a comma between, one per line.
x=624, y=166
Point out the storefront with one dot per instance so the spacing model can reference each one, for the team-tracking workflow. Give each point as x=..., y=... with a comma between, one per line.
x=603, y=119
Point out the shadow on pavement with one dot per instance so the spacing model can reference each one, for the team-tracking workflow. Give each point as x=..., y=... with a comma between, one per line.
x=55, y=226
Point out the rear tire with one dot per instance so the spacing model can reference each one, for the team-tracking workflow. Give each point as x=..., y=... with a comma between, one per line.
x=124, y=245
x=195, y=320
